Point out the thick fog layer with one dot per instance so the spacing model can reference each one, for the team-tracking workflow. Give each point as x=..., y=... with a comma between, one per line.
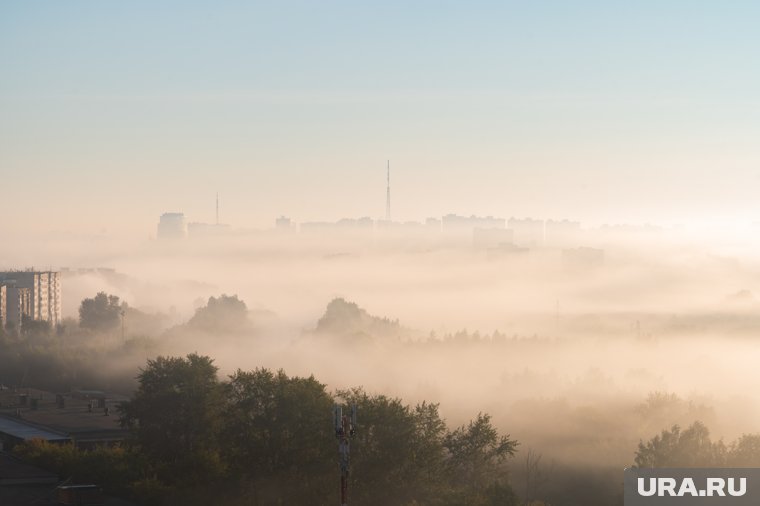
x=577, y=353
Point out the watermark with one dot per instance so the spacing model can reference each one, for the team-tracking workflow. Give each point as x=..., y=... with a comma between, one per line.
x=697, y=486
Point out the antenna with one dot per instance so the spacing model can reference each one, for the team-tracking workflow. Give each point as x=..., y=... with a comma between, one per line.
x=345, y=428
x=388, y=193
x=217, y=208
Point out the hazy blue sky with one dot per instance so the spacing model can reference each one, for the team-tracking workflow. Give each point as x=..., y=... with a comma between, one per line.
x=113, y=112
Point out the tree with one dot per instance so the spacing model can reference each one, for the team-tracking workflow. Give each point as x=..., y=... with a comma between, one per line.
x=346, y=320
x=500, y=494
x=676, y=448
x=477, y=452
x=100, y=313
x=34, y=329
x=397, y=454
x=113, y=467
x=535, y=475
x=278, y=435
x=225, y=313
x=745, y=451
x=176, y=417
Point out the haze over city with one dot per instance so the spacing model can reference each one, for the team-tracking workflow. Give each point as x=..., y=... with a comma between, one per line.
x=534, y=221
x=596, y=112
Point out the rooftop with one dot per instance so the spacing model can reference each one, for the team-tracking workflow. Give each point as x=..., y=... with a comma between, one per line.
x=15, y=472
x=23, y=430
x=79, y=419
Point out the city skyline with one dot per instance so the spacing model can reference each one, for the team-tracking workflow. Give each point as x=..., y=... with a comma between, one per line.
x=596, y=112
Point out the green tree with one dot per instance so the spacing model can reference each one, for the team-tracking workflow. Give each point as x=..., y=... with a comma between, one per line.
x=675, y=448
x=34, y=329
x=397, y=454
x=477, y=454
x=115, y=468
x=745, y=451
x=500, y=494
x=348, y=321
x=100, y=313
x=225, y=313
x=278, y=435
x=176, y=417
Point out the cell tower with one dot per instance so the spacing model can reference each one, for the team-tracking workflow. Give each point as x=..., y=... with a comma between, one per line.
x=345, y=428
x=388, y=194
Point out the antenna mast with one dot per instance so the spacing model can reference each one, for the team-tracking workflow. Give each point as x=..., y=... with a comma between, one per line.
x=345, y=428
x=388, y=193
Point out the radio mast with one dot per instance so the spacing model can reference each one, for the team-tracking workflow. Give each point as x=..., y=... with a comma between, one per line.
x=345, y=428
x=388, y=193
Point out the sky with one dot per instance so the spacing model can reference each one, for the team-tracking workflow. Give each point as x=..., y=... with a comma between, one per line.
x=112, y=113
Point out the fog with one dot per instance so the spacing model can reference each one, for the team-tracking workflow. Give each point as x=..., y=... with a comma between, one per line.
x=577, y=358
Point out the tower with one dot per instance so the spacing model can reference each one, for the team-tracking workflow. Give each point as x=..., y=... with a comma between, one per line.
x=345, y=429
x=217, y=208
x=388, y=193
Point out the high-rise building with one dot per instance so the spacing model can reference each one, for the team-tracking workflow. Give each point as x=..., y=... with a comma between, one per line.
x=35, y=294
x=527, y=231
x=19, y=304
x=454, y=223
x=3, y=306
x=484, y=238
x=171, y=226
x=206, y=230
x=284, y=224
x=562, y=233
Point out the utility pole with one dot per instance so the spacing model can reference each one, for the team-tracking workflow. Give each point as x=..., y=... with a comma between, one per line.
x=345, y=428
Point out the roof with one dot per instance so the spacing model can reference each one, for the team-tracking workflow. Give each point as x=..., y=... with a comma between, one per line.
x=15, y=472
x=22, y=430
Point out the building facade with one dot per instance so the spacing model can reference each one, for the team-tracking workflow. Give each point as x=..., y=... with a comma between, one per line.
x=3, y=306
x=34, y=294
x=171, y=226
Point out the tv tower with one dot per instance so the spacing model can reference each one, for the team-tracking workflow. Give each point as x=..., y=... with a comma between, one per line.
x=388, y=194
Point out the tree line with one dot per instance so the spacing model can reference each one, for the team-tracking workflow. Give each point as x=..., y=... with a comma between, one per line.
x=262, y=437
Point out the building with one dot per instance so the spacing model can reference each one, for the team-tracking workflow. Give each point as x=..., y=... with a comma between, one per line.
x=34, y=294
x=18, y=304
x=485, y=238
x=583, y=257
x=454, y=223
x=3, y=306
x=433, y=224
x=85, y=418
x=204, y=230
x=171, y=226
x=562, y=232
x=284, y=224
x=527, y=231
x=343, y=225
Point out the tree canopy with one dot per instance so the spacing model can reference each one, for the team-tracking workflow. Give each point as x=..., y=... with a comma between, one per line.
x=272, y=436
x=676, y=448
x=99, y=313
x=223, y=313
x=176, y=415
x=344, y=319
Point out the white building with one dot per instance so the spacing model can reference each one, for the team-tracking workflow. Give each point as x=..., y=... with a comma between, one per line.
x=171, y=226
x=36, y=294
